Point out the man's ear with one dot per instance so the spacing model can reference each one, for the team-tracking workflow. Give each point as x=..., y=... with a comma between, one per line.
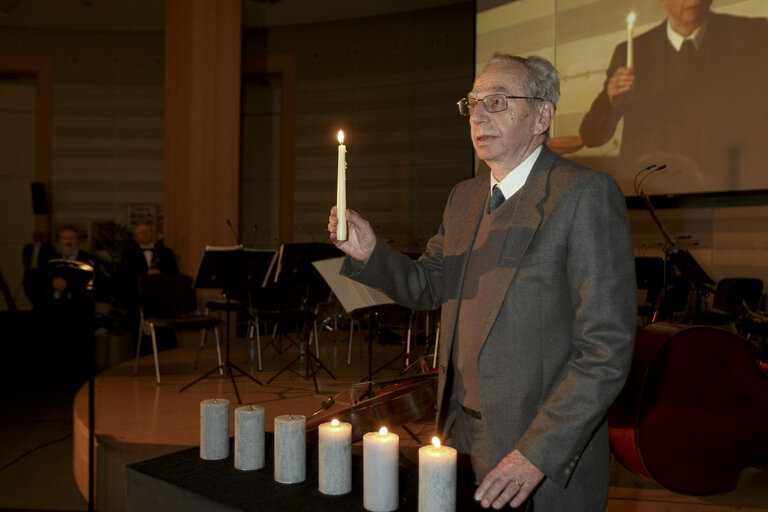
x=545, y=112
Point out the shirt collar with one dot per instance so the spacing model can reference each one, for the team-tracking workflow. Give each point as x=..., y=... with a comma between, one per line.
x=515, y=180
x=676, y=40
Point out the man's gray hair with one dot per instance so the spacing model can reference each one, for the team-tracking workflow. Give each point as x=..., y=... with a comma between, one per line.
x=542, y=81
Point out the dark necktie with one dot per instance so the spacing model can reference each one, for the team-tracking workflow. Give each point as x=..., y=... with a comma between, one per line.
x=687, y=55
x=497, y=198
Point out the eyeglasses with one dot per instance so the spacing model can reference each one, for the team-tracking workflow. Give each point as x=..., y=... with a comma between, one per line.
x=493, y=103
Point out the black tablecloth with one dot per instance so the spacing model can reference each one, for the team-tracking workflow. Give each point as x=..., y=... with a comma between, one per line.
x=182, y=481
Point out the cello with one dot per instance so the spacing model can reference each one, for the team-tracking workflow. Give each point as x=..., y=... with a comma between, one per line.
x=694, y=411
x=411, y=399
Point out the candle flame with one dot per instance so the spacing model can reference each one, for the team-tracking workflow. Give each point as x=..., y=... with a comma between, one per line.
x=335, y=422
x=436, y=442
x=340, y=137
x=383, y=431
x=631, y=17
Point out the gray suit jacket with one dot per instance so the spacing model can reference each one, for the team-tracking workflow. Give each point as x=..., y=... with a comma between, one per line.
x=560, y=334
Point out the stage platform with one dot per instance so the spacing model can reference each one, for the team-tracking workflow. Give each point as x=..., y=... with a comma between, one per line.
x=137, y=419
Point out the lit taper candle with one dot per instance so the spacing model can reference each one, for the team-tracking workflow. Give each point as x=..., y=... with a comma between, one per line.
x=630, y=49
x=341, y=190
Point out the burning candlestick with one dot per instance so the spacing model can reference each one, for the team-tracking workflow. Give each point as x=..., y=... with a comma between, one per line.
x=341, y=191
x=335, y=458
x=630, y=27
x=437, y=478
x=381, y=491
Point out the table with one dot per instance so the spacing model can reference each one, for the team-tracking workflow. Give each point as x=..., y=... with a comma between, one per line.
x=181, y=481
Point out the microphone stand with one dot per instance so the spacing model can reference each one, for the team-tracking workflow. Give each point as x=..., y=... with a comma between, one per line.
x=680, y=258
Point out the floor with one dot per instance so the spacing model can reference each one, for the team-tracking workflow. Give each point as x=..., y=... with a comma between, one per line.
x=43, y=416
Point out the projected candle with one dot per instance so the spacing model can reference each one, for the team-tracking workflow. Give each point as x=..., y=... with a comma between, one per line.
x=381, y=491
x=214, y=429
x=630, y=47
x=249, y=437
x=335, y=458
x=437, y=478
x=341, y=190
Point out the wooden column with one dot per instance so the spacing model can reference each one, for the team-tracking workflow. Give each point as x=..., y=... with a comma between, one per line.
x=202, y=126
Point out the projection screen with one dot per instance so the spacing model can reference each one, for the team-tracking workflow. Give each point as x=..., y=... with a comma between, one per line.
x=701, y=112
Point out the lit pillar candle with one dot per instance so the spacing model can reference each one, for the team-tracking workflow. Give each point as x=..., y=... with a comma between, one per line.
x=381, y=492
x=341, y=190
x=290, y=449
x=630, y=48
x=335, y=458
x=249, y=437
x=214, y=429
x=437, y=478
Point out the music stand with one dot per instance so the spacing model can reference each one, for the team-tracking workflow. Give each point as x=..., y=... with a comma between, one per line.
x=358, y=299
x=227, y=268
x=80, y=279
x=295, y=265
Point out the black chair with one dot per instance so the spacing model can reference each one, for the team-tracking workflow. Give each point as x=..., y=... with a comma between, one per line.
x=170, y=302
x=281, y=310
x=733, y=297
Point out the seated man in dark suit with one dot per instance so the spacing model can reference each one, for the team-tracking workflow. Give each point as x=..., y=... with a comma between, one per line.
x=146, y=256
x=60, y=286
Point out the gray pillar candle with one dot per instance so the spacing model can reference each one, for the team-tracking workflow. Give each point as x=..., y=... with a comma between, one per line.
x=437, y=478
x=381, y=453
x=214, y=429
x=290, y=449
x=334, y=466
x=249, y=437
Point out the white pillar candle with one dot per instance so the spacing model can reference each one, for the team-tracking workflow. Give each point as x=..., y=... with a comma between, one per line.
x=290, y=449
x=214, y=429
x=437, y=478
x=381, y=491
x=249, y=437
x=341, y=190
x=335, y=458
x=630, y=50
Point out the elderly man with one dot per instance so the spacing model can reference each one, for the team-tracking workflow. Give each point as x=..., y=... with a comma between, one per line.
x=533, y=267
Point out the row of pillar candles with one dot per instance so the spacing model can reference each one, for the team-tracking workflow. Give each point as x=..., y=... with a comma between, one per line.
x=381, y=450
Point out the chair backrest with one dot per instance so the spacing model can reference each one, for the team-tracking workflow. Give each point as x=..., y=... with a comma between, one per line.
x=165, y=296
x=732, y=292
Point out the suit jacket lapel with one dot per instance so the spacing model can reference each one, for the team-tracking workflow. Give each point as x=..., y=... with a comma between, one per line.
x=525, y=222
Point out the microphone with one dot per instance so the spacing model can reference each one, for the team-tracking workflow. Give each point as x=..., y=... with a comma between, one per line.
x=638, y=174
x=234, y=234
x=653, y=168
